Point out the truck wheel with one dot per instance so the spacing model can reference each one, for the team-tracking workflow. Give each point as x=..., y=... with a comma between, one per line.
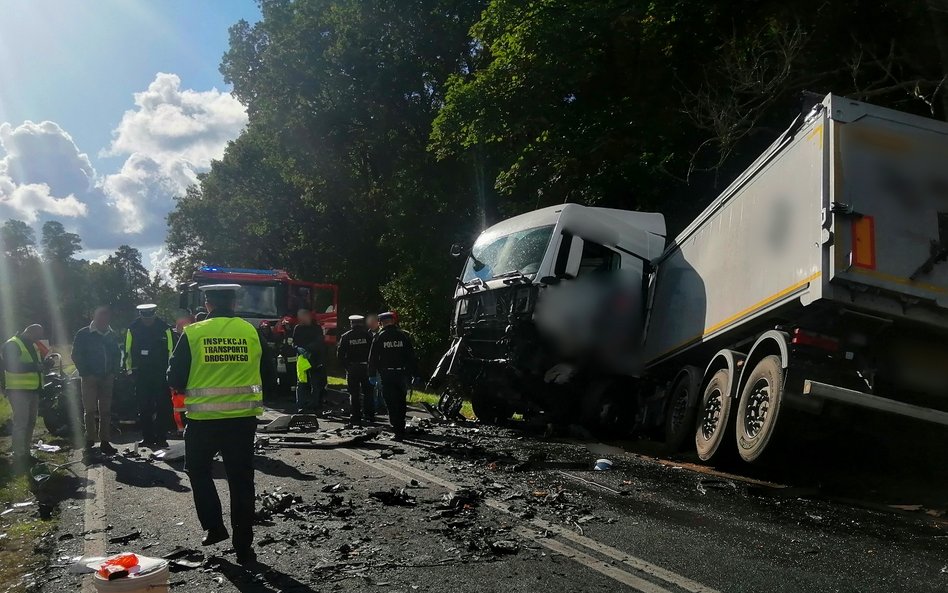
x=680, y=416
x=759, y=408
x=714, y=417
x=488, y=410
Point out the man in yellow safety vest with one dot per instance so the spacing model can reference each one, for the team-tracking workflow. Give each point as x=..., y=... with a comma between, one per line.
x=218, y=364
x=22, y=380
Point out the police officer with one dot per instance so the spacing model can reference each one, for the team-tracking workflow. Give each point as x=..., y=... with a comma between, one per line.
x=392, y=356
x=219, y=365
x=148, y=345
x=353, y=354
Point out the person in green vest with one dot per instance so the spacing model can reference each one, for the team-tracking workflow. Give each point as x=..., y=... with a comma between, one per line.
x=148, y=345
x=218, y=363
x=21, y=381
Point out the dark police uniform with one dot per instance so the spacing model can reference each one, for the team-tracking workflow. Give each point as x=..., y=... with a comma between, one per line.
x=147, y=349
x=353, y=353
x=392, y=356
x=219, y=365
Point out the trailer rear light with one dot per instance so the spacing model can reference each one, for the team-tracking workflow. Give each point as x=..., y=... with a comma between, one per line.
x=864, y=243
x=805, y=338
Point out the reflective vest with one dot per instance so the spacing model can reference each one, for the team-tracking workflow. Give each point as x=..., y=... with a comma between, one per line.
x=224, y=381
x=28, y=381
x=302, y=365
x=128, y=346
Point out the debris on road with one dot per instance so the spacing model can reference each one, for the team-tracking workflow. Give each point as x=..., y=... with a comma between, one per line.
x=505, y=546
x=317, y=442
x=173, y=453
x=705, y=484
x=46, y=448
x=463, y=498
x=602, y=465
x=124, y=539
x=394, y=497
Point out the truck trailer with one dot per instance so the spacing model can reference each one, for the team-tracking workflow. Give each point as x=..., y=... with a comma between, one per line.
x=816, y=282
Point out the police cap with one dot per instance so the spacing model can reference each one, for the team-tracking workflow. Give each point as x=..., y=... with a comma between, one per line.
x=147, y=310
x=386, y=316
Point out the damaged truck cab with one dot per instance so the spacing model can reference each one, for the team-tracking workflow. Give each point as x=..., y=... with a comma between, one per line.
x=545, y=299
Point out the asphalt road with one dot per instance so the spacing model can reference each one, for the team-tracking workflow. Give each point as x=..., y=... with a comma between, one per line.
x=538, y=519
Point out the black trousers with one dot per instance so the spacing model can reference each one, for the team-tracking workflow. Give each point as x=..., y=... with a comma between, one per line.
x=233, y=439
x=361, y=394
x=155, y=412
x=394, y=392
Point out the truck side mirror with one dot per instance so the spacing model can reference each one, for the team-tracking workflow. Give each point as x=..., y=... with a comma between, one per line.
x=456, y=250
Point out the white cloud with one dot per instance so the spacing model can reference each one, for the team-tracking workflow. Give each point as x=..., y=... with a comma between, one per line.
x=170, y=136
x=41, y=161
x=159, y=262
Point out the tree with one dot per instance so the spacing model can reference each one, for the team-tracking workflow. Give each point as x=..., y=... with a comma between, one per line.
x=59, y=245
x=332, y=178
x=18, y=240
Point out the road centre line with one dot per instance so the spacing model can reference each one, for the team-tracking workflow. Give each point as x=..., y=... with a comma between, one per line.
x=626, y=578
x=409, y=472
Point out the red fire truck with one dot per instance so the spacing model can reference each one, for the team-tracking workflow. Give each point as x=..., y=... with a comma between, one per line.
x=268, y=295
x=270, y=299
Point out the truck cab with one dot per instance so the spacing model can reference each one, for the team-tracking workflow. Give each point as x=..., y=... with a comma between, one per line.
x=536, y=298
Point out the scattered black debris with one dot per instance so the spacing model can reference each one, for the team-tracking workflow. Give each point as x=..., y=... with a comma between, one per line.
x=124, y=539
x=334, y=488
x=461, y=499
x=394, y=497
x=505, y=546
x=706, y=484
x=180, y=559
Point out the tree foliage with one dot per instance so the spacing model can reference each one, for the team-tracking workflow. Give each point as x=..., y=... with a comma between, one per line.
x=381, y=132
x=59, y=291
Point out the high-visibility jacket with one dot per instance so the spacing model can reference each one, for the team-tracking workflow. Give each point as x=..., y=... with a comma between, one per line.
x=224, y=379
x=23, y=381
x=302, y=365
x=169, y=337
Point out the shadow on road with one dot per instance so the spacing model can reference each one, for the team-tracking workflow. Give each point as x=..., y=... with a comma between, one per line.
x=145, y=475
x=259, y=579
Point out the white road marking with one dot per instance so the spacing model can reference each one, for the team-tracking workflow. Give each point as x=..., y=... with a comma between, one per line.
x=588, y=561
x=94, y=519
x=407, y=472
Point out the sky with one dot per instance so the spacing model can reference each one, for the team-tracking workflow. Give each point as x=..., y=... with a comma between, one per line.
x=110, y=108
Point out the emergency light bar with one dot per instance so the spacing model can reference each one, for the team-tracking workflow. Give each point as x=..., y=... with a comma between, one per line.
x=240, y=271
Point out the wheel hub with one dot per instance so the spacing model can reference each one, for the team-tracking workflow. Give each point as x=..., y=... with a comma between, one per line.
x=758, y=406
x=712, y=414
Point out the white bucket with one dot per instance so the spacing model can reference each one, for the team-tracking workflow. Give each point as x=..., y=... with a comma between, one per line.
x=153, y=578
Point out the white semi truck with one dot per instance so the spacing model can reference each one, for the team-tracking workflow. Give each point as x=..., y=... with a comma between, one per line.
x=817, y=280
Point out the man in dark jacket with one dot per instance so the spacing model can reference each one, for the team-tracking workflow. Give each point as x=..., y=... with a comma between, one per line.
x=392, y=357
x=97, y=356
x=148, y=344
x=353, y=354
x=309, y=341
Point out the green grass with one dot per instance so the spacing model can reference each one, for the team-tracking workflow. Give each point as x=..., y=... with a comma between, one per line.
x=21, y=530
x=415, y=397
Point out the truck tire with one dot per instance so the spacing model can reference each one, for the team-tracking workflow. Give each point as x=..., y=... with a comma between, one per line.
x=680, y=415
x=489, y=410
x=759, y=408
x=714, y=418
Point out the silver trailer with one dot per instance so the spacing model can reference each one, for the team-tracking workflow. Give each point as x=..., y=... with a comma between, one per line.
x=816, y=280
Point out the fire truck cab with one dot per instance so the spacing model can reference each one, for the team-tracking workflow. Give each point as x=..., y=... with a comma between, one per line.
x=268, y=295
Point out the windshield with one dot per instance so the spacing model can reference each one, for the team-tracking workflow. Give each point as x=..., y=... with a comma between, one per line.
x=517, y=252
x=257, y=301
